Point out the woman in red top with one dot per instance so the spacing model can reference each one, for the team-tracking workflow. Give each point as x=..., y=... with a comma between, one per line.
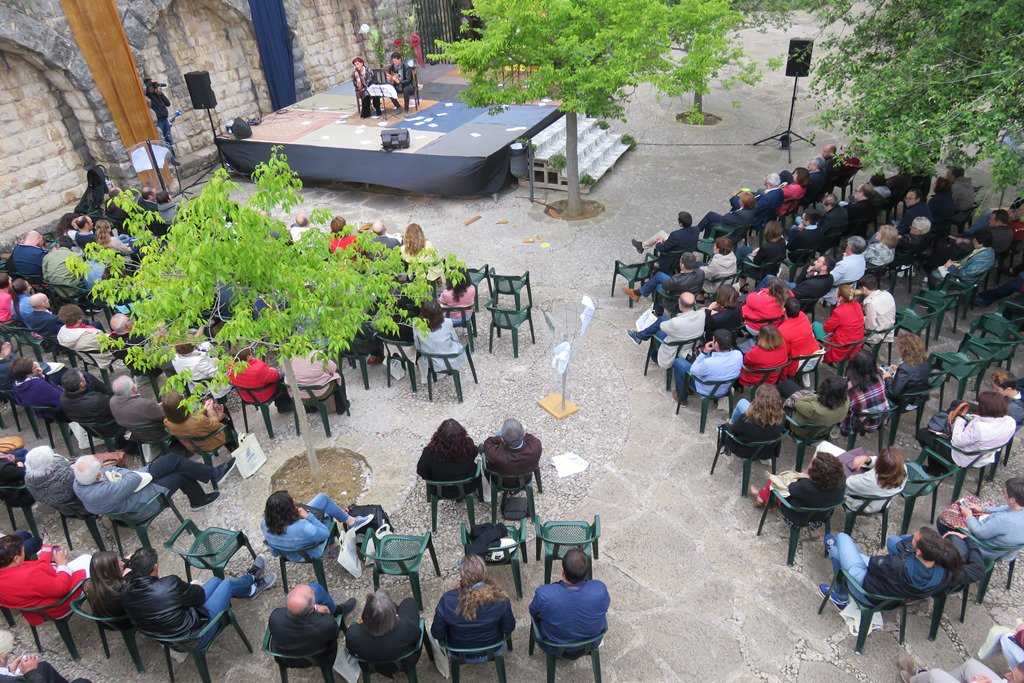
x=796, y=331
x=259, y=382
x=768, y=352
x=764, y=307
x=844, y=326
x=793, y=192
x=339, y=241
x=42, y=581
x=6, y=298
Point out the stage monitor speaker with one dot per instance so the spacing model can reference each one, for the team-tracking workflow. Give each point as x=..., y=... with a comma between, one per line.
x=198, y=83
x=798, y=63
x=240, y=129
x=395, y=138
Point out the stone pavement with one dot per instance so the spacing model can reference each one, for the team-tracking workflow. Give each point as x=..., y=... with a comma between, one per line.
x=695, y=595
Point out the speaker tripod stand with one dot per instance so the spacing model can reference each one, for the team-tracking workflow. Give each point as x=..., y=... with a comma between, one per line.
x=785, y=137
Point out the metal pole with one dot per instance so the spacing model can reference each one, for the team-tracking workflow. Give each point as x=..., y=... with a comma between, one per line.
x=529, y=165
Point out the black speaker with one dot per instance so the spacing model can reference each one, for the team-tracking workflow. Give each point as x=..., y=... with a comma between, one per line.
x=240, y=129
x=798, y=63
x=395, y=138
x=198, y=83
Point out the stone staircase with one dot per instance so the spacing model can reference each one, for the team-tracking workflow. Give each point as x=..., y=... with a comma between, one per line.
x=598, y=150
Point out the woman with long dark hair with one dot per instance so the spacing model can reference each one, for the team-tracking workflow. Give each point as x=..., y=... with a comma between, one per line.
x=866, y=390
x=106, y=581
x=289, y=528
x=450, y=455
x=477, y=613
x=460, y=294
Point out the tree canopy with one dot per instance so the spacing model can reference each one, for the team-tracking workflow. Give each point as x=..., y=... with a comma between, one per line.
x=917, y=82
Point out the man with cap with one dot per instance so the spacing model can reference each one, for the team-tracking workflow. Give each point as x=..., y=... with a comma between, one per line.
x=512, y=451
x=362, y=79
x=26, y=667
x=306, y=624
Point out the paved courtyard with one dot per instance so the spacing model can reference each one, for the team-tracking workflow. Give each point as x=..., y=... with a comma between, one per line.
x=695, y=595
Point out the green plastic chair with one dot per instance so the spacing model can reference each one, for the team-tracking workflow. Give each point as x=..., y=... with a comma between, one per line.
x=712, y=397
x=402, y=351
x=764, y=376
x=406, y=663
x=959, y=473
x=397, y=555
x=91, y=523
x=468, y=489
x=103, y=624
x=1008, y=553
x=210, y=549
x=912, y=401
x=109, y=432
x=558, y=538
x=910, y=320
x=766, y=450
x=308, y=395
x=632, y=273
x=875, y=347
x=994, y=335
x=285, y=662
x=861, y=510
x=814, y=435
x=141, y=527
x=878, y=603
x=478, y=275
x=504, y=319
x=457, y=657
x=362, y=359
x=849, y=349
x=958, y=366
x=50, y=416
x=25, y=510
x=317, y=562
x=937, y=303
x=860, y=429
x=919, y=483
x=962, y=291
x=248, y=397
x=807, y=365
x=449, y=369
x=794, y=529
x=189, y=643
x=62, y=623
x=510, y=555
x=555, y=651
x=511, y=318
x=504, y=485
x=467, y=322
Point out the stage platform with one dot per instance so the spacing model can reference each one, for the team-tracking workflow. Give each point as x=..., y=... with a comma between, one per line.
x=455, y=150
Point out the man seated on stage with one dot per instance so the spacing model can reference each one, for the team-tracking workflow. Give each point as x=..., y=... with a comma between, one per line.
x=400, y=76
x=362, y=79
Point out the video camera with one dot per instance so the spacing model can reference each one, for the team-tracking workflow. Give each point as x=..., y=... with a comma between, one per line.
x=149, y=82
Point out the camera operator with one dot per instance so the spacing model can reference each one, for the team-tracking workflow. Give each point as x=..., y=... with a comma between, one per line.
x=159, y=103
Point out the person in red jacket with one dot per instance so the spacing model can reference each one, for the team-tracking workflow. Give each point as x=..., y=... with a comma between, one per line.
x=768, y=352
x=796, y=331
x=844, y=326
x=42, y=581
x=793, y=191
x=259, y=383
x=765, y=306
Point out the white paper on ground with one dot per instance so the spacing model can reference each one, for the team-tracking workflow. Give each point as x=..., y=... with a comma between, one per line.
x=851, y=615
x=568, y=464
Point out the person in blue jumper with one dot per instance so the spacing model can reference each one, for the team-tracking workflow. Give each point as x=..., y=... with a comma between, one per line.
x=474, y=615
x=1000, y=525
x=574, y=609
x=296, y=530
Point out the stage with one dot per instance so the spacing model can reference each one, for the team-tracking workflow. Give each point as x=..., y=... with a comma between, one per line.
x=455, y=150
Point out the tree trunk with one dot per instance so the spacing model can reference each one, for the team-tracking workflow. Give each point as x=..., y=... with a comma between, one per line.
x=307, y=433
x=698, y=102
x=574, y=207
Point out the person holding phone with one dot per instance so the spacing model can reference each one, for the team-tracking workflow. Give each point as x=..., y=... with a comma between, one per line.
x=26, y=583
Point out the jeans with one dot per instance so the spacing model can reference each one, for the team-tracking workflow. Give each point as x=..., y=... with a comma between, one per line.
x=218, y=598
x=845, y=555
x=652, y=329
x=321, y=596
x=165, y=130
x=742, y=251
x=175, y=473
x=652, y=283
x=980, y=223
x=1002, y=291
x=681, y=371
x=324, y=504
x=739, y=410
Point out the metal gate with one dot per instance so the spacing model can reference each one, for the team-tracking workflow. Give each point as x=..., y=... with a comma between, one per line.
x=437, y=20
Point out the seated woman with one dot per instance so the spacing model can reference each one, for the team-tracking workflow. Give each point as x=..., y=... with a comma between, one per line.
x=6, y=298
x=914, y=567
x=12, y=473
x=866, y=392
x=821, y=486
x=338, y=239
x=196, y=359
x=722, y=264
x=988, y=430
x=799, y=337
x=768, y=352
x=762, y=420
x=196, y=431
x=417, y=251
x=441, y=339
x=78, y=335
x=766, y=306
x=882, y=247
x=476, y=614
x=771, y=252
x=793, y=191
x=311, y=371
x=107, y=237
x=460, y=295
x=32, y=387
x=916, y=241
x=450, y=456
x=259, y=382
x=103, y=589
x=823, y=409
x=912, y=372
x=844, y=327
x=881, y=477
x=384, y=633
x=723, y=313
x=289, y=528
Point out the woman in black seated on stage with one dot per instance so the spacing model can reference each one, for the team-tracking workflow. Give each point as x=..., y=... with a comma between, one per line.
x=362, y=79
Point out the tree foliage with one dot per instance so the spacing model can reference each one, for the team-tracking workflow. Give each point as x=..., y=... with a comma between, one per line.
x=917, y=82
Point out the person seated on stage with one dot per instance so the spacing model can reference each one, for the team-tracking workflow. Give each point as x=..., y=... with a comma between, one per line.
x=914, y=207
x=289, y=528
x=385, y=632
x=476, y=614
x=724, y=312
x=971, y=671
x=690, y=278
x=32, y=387
x=168, y=607
x=41, y=320
x=305, y=626
x=686, y=325
x=718, y=361
x=43, y=581
x=844, y=327
x=739, y=220
x=684, y=238
x=78, y=335
x=815, y=281
x=722, y=265
x=757, y=421
x=574, y=609
x=27, y=257
x=882, y=247
x=513, y=451
x=50, y=480
x=850, y=269
x=26, y=667
x=400, y=76
x=879, y=310
x=338, y=240
x=799, y=337
x=200, y=430
x=362, y=79
x=768, y=200
x=806, y=234
x=259, y=382
x=769, y=351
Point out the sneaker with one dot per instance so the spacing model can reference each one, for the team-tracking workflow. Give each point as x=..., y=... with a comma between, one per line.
x=221, y=471
x=345, y=608
x=210, y=497
x=262, y=584
x=638, y=245
x=634, y=337
x=258, y=567
x=359, y=522
x=824, y=588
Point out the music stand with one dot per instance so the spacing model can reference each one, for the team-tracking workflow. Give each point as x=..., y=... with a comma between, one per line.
x=385, y=91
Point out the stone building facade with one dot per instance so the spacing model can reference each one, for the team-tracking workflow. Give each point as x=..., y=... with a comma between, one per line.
x=54, y=122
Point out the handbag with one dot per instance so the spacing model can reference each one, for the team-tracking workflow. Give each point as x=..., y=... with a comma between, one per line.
x=249, y=456
x=939, y=423
x=348, y=556
x=378, y=534
x=440, y=655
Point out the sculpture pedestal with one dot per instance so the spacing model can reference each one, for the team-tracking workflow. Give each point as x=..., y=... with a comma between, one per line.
x=553, y=404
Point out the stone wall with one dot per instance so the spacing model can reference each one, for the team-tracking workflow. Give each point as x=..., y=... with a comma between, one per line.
x=329, y=39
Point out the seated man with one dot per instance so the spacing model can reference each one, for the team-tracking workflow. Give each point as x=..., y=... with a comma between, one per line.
x=850, y=268
x=41, y=320
x=718, y=361
x=27, y=668
x=306, y=625
x=32, y=387
x=169, y=607
x=806, y=233
x=1001, y=525
x=1001, y=291
x=141, y=416
x=815, y=281
x=106, y=489
x=27, y=257
x=400, y=76
x=259, y=382
x=683, y=238
x=971, y=268
x=382, y=237
x=879, y=309
x=85, y=401
x=971, y=671
x=688, y=323
x=833, y=215
x=768, y=200
x=78, y=335
x=575, y=608
x=739, y=220
x=59, y=277
x=913, y=207
x=513, y=451
x=28, y=583
x=690, y=278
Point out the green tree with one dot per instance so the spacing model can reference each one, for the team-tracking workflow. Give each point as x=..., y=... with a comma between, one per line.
x=917, y=82
x=280, y=301
x=589, y=55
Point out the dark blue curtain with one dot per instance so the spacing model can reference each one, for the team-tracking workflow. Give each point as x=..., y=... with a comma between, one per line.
x=275, y=45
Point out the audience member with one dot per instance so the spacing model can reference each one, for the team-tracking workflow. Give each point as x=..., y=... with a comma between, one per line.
x=1008, y=641
x=765, y=306
x=814, y=411
x=6, y=298
x=196, y=359
x=105, y=585
x=77, y=335
x=382, y=237
x=206, y=430
x=879, y=308
x=911, y=375
x=881, y=249
x=814, y=281
x=299, y=227
x=27, y=668
x=723, y=313
x=458, y=295
x=972, y=267
x=667, y=246
x=87, y=401
x=1009, y=386
x=793, y=191
x=50, y=480
x=864, y=207
x=913, y=208
x=141, y=416
x=800, y=341
x=259, y=382
x=31, y=386
x=107, y=237
x=915, y=241
x=41, y=320
x=299, y=531
x=975, y=438
x=306, y=626
x=512, y=451
x=718, y=361
x=722, y=265
x=871, y=477
x=962, y=189
x=59, y=278
x=690, y=278
x=769, y=255
x=822, y=486
x=768, y=200
x=339, y=240
x=834, y=218
x=26, y=583
x=756, y=422
x=12, y=476
x=844, y=327
x=310, y=372
x=416, y=248
x=971, y=671
x=739, y=220
x=878, y=184
x=805, y=235
x=574, y=609
x=766, y=360
x=21, y=306
x=384, y=633
x=816, y=179
x=850, y=268
x=27, y=257
x=441, y=338
x=476, y=614
x=866, y=392
x=1001, y=526
x=942, y=205
x=450, y=456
